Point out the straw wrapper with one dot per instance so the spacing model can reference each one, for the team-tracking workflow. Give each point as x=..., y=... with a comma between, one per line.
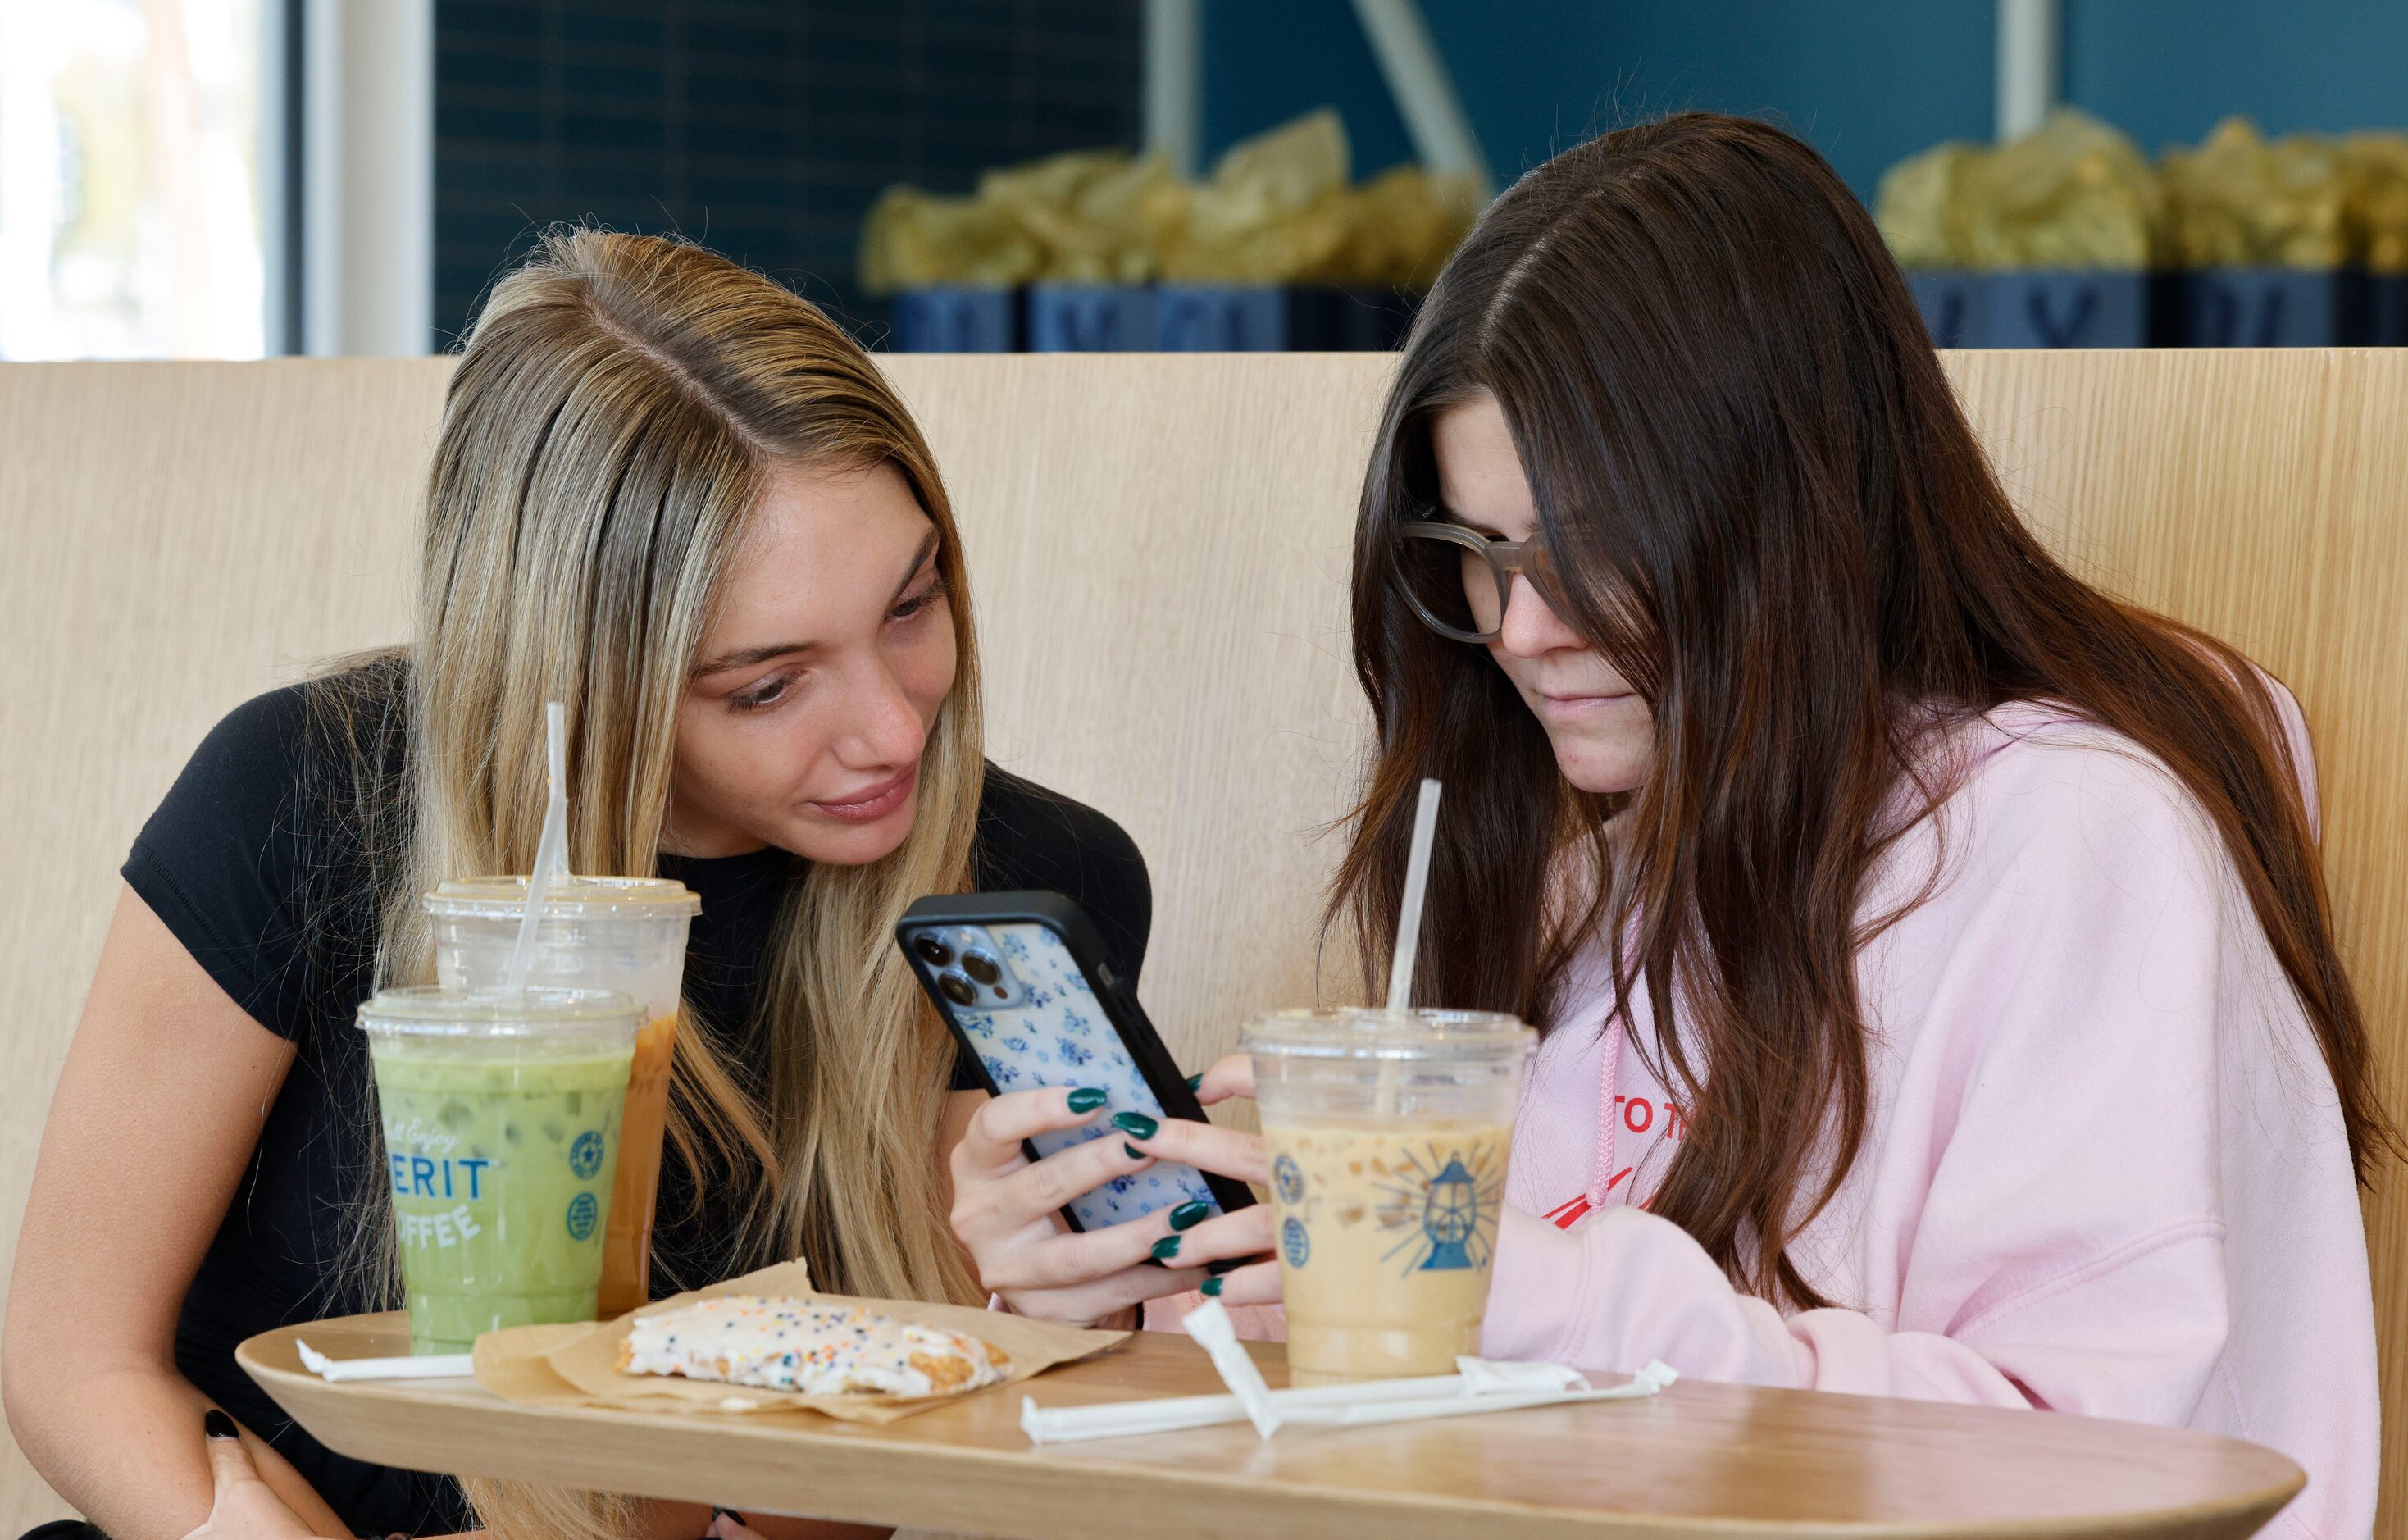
x=423, y=1366
x=578, y=1365
x=1478, y=1385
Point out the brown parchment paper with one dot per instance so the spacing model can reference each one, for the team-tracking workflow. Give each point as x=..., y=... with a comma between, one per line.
x=578, y=1365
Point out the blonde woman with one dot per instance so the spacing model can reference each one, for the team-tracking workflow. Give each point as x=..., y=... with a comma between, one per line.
x=674, y=497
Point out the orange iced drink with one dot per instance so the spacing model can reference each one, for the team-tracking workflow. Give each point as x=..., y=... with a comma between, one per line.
x=627, y=1245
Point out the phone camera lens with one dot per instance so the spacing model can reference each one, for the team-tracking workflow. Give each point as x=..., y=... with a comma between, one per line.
x=958, y=989
x=932, y=949
x=982, y=968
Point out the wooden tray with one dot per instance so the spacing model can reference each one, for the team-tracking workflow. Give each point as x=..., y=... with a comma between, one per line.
x=1697, y=1460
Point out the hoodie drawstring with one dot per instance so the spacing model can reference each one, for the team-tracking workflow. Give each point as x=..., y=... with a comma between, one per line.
x=1601, y=1177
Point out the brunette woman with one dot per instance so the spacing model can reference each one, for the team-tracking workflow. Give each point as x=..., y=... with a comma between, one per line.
x=1935, y=963
x=673, y=495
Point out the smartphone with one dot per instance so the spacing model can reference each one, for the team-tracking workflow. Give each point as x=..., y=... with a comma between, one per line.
x=1023, y=982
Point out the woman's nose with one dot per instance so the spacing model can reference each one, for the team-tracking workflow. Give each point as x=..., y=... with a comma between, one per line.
x=885, y=727
x=1531, y=628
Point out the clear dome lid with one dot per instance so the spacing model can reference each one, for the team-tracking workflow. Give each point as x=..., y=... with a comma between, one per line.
x=535, y=1012
x=1366, y=1032
x=570, y=899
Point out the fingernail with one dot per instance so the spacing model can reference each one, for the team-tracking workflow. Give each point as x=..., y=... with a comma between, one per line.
x=1086, y=1098
x=1212, y=1288
x=1137, y=1125
x=218, y=1425
x=1136, y=1154
x=731, y=1513
x=1189, y=1215
x=1166, y=1248
x=1195, y=1082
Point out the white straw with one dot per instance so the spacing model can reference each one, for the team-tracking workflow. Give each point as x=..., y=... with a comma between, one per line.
x=552, y=849
x=429, y=1366
x=1482, y=1386
x=1210, y=1326
x=1409, y=919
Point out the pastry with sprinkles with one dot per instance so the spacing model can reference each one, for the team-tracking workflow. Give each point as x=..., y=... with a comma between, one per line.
x=816, y=1349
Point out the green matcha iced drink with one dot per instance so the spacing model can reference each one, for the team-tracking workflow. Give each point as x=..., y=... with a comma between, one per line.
x=501, y=1115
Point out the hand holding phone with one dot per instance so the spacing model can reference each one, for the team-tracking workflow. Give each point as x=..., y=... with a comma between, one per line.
x=1023, y=982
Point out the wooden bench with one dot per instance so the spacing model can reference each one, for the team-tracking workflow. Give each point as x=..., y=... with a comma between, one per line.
x=1158, y=551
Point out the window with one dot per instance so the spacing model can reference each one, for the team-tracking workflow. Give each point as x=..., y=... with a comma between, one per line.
x=129, y=169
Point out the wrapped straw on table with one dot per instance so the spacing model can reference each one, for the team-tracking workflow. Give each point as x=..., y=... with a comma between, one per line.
x=2074, y=193
x=2240, y=201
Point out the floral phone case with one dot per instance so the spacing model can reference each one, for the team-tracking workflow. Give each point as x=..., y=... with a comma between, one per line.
x=1016, y=995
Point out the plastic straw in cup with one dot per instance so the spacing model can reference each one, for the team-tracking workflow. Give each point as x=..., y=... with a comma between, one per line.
x=1409, y=919
x=1408, y=931
x=552, y=849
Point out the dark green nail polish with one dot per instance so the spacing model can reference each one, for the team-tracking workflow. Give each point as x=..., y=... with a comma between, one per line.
x=1086, y=1098
x=1136, y=1154
x=1136, y=1125
x=1166, y=1248
x=1194, y=1081
x=1212, y=1288
x=1189, y=1215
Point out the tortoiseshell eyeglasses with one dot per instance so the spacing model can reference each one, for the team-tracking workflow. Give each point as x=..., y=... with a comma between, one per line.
x=1459, y=581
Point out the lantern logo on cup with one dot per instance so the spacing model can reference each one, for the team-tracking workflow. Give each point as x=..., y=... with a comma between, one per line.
x=1444, y=1205
x=1449, y=1215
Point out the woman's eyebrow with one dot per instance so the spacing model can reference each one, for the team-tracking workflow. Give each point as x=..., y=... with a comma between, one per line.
x=747, y=657
x=919, y=559
x=1448, y=515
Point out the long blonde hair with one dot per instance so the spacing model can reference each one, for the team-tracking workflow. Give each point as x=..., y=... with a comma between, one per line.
x=603, y=442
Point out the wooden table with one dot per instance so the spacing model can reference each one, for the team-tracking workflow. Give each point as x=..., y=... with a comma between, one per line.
x=1697, y=1460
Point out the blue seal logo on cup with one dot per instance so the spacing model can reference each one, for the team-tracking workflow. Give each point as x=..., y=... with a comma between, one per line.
x=585, y=1156
x=1294, y=1244
x=582, y=1211
x=1289, y=1180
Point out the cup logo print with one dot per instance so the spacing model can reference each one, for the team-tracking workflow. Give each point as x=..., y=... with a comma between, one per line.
x=582, y=1212
x=1289, y=1179
x=1294, y=1244
x=585, y=1156
x=1447, y=1203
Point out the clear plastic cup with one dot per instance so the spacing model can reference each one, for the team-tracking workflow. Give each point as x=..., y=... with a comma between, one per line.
x=1388, y=1134
x=622, y=933
x=501, y=1111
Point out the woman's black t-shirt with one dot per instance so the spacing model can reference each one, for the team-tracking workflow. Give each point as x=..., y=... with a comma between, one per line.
x=263, y=868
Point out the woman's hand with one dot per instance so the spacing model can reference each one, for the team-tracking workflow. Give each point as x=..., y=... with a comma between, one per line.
x=1259, y=1283
x=1006, y=1206
x=247, y=1507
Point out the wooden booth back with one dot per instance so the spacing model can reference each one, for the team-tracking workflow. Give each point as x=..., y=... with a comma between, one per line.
x=1158, y=549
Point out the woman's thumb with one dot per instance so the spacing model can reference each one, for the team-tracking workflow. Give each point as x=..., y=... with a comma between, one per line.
x=229, y=1462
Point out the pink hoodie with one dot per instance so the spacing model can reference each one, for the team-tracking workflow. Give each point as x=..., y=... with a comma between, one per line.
x=2103, y=1172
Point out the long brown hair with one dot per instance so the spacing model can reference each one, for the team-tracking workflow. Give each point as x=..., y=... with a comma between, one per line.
x=1770, y=516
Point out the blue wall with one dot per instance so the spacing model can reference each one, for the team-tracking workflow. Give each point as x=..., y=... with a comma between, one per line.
x=1867, y=81
x=2166, y=71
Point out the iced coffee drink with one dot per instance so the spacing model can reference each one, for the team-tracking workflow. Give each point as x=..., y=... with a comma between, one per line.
x=1388, y=1135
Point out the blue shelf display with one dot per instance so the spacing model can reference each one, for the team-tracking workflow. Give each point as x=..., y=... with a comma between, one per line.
x=957, y=320
x=2277, y=308
x=1153, y=318
x=2071, y=309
